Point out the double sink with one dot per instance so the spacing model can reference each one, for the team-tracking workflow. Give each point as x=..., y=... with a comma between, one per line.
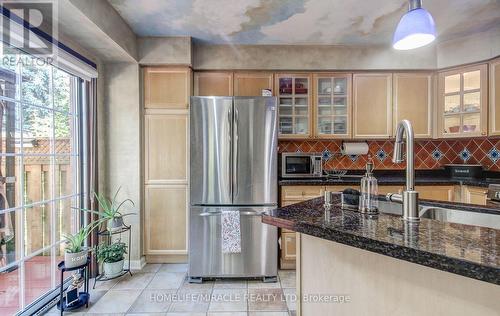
x=445, y=214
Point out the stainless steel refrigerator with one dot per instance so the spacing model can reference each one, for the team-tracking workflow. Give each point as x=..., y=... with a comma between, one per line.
x=233, y=169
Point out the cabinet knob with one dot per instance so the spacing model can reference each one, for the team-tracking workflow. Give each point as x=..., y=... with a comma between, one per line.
x=483, y=133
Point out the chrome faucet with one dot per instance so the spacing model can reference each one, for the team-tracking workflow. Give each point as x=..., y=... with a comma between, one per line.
x=409, y=198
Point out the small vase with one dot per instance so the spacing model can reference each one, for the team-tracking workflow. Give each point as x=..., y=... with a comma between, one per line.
x=76, y=259
x=115, y=223
x=113, y=269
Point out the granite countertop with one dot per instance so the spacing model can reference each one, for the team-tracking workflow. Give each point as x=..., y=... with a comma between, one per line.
x=470, y=251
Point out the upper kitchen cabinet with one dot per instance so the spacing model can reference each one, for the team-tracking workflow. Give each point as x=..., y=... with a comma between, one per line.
x=372, y=105
x=332, y=105
x=495, y=97
x=463, y=102
x=294, y=100
x=213, y=83
x=251, y=84
x=412, y=100
x=167, y=88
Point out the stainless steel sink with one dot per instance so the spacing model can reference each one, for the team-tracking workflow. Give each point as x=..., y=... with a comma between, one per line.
x=461, y=217
x=445, y=214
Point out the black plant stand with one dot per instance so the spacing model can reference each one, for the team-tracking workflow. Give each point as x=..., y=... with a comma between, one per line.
x=83, y=297
x=107, y=234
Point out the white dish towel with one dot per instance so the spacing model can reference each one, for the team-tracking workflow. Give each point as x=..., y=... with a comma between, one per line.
x=231, y=231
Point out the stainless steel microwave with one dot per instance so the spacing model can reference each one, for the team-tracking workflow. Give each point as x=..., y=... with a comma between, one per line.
x=301, y=165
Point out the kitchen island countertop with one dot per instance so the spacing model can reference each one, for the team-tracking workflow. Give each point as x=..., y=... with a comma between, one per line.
x=466, y=250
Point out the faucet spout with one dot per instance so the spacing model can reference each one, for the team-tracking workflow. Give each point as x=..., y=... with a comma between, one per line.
x=409, y=197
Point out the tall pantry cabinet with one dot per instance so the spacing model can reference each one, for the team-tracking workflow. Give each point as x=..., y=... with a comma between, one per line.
x=166, y=163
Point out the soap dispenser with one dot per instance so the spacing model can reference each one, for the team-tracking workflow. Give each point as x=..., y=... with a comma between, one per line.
x=368, y=202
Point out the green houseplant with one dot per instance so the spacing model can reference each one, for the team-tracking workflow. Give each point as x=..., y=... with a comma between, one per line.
x=112, y=258
x=75, y=253
x=110, y=210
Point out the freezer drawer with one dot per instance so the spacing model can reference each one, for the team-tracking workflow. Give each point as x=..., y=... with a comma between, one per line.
x=258, y=257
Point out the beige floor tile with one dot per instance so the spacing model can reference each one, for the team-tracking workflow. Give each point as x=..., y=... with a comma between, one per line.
x=195, y=286
x=287, y=279
x=190, y=300
x=150, y=267
x=266, y=300
x=103, y=285
x=230, y=284
x=291, y=298
x=137, y=281
x=268, y=314
x=258, y=284
x=228, y=300
x=227, y=314
x=174, y=267
x=167, y=280
x=115, y=301
x=186, y=314
x=293, y=313
x=153, y=301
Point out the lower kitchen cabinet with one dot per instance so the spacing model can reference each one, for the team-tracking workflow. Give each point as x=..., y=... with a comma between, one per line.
x=165, y=216
x=474, y=195
x=436, y=192
x=291, y=195
x=288, y=250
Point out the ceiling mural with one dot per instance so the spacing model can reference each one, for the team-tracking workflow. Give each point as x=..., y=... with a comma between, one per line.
x=332, y=22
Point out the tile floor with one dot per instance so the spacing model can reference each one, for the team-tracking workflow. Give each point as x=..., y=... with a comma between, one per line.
x=162, y=289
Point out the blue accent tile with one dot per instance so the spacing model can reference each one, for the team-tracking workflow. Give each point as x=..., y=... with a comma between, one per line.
x=437, y=154
x=326, y=155
x=464, y=155
x=353, y=157
x=494, y=154
x=381, y=155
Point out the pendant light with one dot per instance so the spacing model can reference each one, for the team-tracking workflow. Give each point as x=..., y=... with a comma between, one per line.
x=415, y=29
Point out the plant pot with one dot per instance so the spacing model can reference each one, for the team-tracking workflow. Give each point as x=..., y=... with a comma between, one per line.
x=76, y=259
x=114, y=223
x=113, y=269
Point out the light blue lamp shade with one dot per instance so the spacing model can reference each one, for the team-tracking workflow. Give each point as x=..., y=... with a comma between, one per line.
x=415, y=29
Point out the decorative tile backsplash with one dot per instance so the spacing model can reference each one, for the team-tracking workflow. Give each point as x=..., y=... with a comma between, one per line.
x=429, y=154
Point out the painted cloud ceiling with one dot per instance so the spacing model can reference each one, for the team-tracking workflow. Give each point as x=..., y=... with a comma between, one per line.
x=336, y=22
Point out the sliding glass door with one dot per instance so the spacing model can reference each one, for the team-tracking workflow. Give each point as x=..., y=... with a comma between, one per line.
x=40, y=172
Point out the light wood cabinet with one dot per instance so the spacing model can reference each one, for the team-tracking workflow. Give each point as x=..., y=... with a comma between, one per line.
x=291, y=195
x=332, y=105
x=165, y=164
x=166, y=88
x=463, y=102
x=436, y=192
x=288, y=250
x=213, y=83
x=165, y=216
x=294, y=105
x=300, y=192
x=412, y=100
x=494, y=105
x=474, y=195
x=372, y=105
x=166, y=147
x=252, y=83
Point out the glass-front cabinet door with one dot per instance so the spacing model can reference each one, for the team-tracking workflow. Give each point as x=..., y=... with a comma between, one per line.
x=294, y=105
x=463, y=102
x=332, y=104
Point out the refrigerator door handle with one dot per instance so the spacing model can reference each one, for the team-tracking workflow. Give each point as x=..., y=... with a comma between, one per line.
x=236, y=154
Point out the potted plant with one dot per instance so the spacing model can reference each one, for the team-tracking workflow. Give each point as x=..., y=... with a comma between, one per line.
x=112, y=258
x=75, y=253
x=110, y=210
